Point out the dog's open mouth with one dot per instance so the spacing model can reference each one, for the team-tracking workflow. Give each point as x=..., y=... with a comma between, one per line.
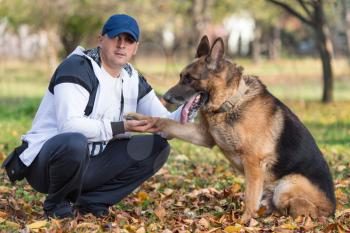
x=192, y=106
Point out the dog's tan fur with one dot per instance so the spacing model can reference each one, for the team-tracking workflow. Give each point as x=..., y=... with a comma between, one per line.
x=247, y=134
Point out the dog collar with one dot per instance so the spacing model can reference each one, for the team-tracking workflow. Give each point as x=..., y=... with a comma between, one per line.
x=233, y=100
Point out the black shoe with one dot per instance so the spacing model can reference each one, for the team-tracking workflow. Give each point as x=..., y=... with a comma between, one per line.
x=15, y=168
x=59, y=211
x=98, y=210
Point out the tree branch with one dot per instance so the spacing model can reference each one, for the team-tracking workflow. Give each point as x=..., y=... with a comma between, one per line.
x=293, y=12
x=303, y=5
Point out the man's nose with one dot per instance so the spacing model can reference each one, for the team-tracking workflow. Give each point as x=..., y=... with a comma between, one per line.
x=121, y=43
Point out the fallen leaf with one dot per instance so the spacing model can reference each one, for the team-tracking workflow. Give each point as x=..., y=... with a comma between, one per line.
x=4, y=189
x=288, y=226
x=233, y=229
x=235, y=188
x=330, y=227
x=204, y=224
x=340, y=229
x=141, y=230
x=168, y=191
x=37, y=225
x=12, y=224
x=261, y=211
x=167, y=231
x=337, y=214
x=3, y=214
x=253, y=223
x=142, y=196
x=308, y=225
x=87, y=225
x=160, y=212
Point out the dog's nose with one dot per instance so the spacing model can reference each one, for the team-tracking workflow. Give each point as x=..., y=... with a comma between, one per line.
x=170, y=98
x=167, y=97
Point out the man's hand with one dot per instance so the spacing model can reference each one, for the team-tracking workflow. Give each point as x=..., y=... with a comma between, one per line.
x=144, y=126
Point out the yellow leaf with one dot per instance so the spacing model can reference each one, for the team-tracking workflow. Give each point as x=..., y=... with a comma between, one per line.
x=4, y=189
x=87, y=225
x=299, y=219
x=37, y=225
x=142, y=196
x=233, y=229
x=338, y=214
x=12, y=224
x=288, y=226
x=340, y=195
x=130, y=228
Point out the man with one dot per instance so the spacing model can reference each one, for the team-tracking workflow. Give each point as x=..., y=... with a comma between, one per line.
x=79, y=150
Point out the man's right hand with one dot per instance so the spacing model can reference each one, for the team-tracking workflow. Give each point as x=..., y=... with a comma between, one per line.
x=140, y=126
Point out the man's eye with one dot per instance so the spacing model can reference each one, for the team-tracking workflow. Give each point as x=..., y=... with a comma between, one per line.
x=130, y=40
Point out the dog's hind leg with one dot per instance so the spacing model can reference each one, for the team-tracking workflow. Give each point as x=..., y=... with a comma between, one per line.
x=295, y=195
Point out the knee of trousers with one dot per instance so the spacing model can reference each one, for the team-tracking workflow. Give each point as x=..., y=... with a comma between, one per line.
x=74, y=146
x=162, y=151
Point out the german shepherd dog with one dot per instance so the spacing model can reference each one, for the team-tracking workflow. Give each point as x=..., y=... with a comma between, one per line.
x=283, y=167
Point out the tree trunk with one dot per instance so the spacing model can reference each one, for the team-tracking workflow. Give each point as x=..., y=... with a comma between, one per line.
x=256, y=46
x=275, y=43
x=53, y=46
x=199, y=17
x=346, y=21
x=326, y=53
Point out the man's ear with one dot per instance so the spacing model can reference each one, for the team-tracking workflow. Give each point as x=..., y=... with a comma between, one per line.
x=100, y=38
x=203, y=47
x=216, y=55
x=136, y=48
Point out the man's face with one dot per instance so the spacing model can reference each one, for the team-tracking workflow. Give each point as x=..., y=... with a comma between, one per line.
x=116, y=52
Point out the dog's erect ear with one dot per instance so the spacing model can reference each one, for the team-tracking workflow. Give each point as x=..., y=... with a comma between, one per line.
x=203, y=47
x=216, y=55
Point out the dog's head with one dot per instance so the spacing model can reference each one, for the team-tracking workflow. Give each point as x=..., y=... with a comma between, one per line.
x=209, y=70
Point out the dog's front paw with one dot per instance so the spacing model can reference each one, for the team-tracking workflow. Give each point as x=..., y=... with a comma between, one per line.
x=247, y=217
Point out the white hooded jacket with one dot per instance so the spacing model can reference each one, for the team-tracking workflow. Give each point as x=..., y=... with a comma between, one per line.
x=63, y=106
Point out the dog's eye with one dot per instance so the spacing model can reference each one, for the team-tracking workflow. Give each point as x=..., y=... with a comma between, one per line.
x=187, y=79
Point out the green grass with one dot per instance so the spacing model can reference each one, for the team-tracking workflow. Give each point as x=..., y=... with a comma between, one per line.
x=189, y=168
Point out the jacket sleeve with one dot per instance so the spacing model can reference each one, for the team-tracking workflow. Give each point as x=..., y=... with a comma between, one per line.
x=71, y=86
x=150, y=105
x=70, y=101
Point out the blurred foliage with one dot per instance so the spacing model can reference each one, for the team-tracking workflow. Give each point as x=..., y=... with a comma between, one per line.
x=80, y=21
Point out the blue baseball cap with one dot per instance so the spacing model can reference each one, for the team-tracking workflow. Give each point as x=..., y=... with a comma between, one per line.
x=121, y=23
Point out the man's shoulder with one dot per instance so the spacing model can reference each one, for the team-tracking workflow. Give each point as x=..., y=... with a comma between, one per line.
x=75, y=63
x=74, y=69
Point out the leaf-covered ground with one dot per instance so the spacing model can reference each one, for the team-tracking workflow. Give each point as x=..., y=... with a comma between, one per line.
x=184, y=196
x=196, y=191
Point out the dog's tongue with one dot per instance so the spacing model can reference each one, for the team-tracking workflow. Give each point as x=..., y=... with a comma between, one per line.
x=185, y=110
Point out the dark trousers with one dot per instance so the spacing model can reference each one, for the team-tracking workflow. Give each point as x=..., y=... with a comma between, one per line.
x=64, y=170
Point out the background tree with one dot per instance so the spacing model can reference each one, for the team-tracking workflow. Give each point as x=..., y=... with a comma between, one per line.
x=312, y=14
x=345, y=16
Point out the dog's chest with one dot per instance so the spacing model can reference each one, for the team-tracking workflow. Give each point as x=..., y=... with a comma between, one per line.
x=228, y=140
